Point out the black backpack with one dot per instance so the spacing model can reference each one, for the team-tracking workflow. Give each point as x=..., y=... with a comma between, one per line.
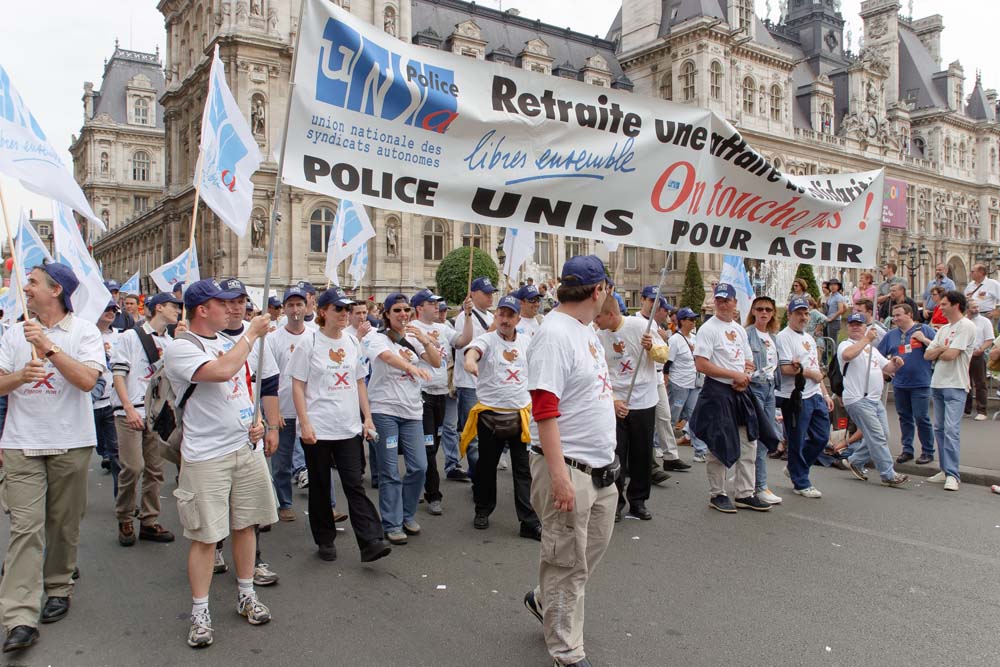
x=164, y=411
x=836, y=376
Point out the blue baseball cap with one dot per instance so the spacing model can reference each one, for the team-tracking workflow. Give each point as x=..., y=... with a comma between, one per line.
x=294, y=291
x=686, y=313
x=423, y=296
x=335, y=296
x=163, y=297
x=724, y=291
x=664, y=304
x=649, y=292
x=178, y=286
x=112, y=305
x=442, y=305
x=234, y=285
x=584, y=270
x=510, y=301
x=199, y=292
x=273, y=302
x=858, y=318
x=483, y=285
x=393, y=299
x=798, y=303
x=65, y=278
x=112, y=285
x=306, y=286
x=621, y=303
x=527, y=292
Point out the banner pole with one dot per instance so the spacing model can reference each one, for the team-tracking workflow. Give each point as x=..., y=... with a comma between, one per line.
x=194, y=223
x=649, y=324
x=18, y=271
x=274, y=217
x=472, y=253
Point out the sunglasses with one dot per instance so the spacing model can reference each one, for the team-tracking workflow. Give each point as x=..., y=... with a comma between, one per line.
x=341, y=309
x=400, y=310
x=536, y=299
x=764, y=309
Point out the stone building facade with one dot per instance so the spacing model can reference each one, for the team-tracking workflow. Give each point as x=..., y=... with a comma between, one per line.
x=794, y=88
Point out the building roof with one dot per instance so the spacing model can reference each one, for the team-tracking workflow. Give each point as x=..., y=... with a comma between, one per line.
x=916, y=72
x=979, y=107
x=118, y=71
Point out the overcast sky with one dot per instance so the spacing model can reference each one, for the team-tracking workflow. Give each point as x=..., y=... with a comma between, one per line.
x=50, y=55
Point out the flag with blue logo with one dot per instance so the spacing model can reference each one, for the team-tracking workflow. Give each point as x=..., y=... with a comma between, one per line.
x=518, y=246
x=359, y=265
x=229, y=154
x=175, y=270
x=351, y=229
x=131, y=286
x=735, y=273
x=29, y=252
x=91, y=296
x=26, y=154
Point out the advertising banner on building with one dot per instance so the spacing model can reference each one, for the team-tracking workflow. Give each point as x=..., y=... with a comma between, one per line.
x=894, y=204
x=406, y=128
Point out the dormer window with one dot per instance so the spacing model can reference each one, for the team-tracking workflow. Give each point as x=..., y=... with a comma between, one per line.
x=141, y=111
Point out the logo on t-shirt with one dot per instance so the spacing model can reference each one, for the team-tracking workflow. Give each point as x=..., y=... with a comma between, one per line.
x=593, y=350
x=337, y=355
x=510, y=355
x=807, y=346
x=731, y=336
x=618, y=346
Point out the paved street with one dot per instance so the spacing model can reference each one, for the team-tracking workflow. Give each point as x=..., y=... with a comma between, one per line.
x=865, y=576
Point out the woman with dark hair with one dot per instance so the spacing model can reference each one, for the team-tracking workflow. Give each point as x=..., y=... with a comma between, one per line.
x=932, y=309
x=761, y=326
x=398, y=412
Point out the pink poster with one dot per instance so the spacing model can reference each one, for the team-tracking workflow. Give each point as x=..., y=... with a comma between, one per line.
x=894, y=204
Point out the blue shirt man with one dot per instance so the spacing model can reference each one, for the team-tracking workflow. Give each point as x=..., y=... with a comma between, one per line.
x=941, y=279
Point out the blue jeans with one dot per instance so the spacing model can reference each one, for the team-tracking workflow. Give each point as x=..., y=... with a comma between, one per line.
x=807, y=438
x=107, y=439
x=298, y=458
x=913, y=405
x=397, y=500
x=682, y=402
x=870, y=416
x=282, y=463
x=449, y=434
x=765, y=394
x=466, y=399
x=948, y=407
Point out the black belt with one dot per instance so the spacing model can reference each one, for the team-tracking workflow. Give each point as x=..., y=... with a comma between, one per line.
x=572, y=463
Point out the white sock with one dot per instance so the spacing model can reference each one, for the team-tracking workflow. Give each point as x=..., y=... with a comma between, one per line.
x=246, y=586
x=199, y=605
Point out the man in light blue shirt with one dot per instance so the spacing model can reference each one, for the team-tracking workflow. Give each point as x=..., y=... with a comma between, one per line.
x=941, y=279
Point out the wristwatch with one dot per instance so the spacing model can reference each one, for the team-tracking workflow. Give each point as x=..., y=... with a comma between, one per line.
x=273, y=428
x=55, y=349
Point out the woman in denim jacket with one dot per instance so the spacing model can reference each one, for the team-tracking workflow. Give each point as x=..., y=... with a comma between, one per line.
x=761, y=326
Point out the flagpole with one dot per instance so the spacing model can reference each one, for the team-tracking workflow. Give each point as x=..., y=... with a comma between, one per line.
x=472, y=252
x=18, y=271
x=275, y=214
x=649, y=324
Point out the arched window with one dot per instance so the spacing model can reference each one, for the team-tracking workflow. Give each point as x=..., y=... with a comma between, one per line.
x=687, y=81
x=749, y=90
x=472, y=235
x=574, y=246
x=140, y=166
x=826, y=118
x=667, y=86
x=434, y=233
x=320, y=224
x=716, y=79
x=141, y=111
x=775, y=102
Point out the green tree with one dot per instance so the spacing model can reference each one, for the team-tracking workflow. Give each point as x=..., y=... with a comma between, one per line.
x=453, y=273
x=694, y=286
x=805, y=272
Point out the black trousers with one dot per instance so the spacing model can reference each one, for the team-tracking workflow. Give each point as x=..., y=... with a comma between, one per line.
x=977, y=379
x=349, y=457
x=635, y=451
x=433, y=422
x=484, y=484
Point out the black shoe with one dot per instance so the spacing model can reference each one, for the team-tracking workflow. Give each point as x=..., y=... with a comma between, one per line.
x=753, y=503
x=457, y=475
x=857, y=472
x=375, y=550
x=618, y=516
x=531, y=604
x=106, y=463
x=327, y=551
x=481, y=522
x=20, y=636
x=924, y=459
x=155, y=533
x=531, y=531
x=55, y=608
x=76, y=573
x=659, y=476
x=723, y=504
x=640, y=512
x=906, y=456
x=676, y=465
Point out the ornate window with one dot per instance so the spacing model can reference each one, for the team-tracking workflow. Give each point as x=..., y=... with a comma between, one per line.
x=574, y=246
x=826, y=118
x=472, y=235
x=434, y=233
x=776, y=102
x=687, y=81
x=749, y=91
x=140, y=111
x=320, y=224
x=744, y=14
x=140, y=166
x=543, y=249
x=716, y=79
x=667, y=86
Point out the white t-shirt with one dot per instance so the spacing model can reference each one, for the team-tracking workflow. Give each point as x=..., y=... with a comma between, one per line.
x=567, y=359
x=953, y=374
x=800, y=347
x=461, y=378
x=622, y=350
x=682, y=369
x=984, y=330
x=770, y=357
x=390, y=390
x=663, y=335
x=854, y=378
x=528, y=326
x=987, y=293
x=441, y=335
x=129, y=360
x=282, y=344
x=503, y=371
x=725, y=344
x=331, y=369
x=109, y=337
x=270, y=365
x=51, y=413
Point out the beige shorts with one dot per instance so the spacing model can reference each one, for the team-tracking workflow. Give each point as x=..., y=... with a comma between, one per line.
x=229, y=492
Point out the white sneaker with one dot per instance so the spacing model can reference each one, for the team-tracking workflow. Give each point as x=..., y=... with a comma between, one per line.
x=938, y=478
x=253, y=609
x=980, y=418
x=769, y=497
x=219, y=566
x=201, y=633
x=951, y=484
x=698, y=458
x=503, y=463
x=811, y=492
x=657, y=452
x=303, y=481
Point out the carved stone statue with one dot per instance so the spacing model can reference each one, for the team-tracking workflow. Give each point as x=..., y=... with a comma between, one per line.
x=257, y=116
x=106, y=217
x=389, y=23
x=272, y=21
x=391, y=240
x=871, y=94
x=256, y=7
x=257, y=231
x=104, y=163
x=241, y=12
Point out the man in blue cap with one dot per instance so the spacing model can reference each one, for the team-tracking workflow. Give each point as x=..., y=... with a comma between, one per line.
x=123, y=321
x=48, y=366
x=531, y=302
x=273, y=308
x=308, y=288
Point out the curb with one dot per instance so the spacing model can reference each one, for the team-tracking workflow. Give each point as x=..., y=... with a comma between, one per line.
x=970, y=475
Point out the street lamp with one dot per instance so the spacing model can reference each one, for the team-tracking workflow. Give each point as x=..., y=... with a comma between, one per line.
x=908, y=257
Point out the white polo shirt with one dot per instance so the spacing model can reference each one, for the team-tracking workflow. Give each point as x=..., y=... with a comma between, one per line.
x=503, y=370
x=282, y=344
x=331, y=369
x=987, y=293
x=622, y=352
x=441, y=335
x=129, y=361
x=390, y=390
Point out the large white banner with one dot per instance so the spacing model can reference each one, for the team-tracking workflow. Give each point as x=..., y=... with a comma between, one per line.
x=400, y=127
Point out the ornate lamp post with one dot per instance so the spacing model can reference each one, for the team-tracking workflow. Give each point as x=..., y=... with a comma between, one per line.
x=912, y=259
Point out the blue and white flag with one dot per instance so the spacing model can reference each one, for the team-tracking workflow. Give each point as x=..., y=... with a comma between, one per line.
x=175, y=270
x=351, y=229
x=229, y=154
x=359, y=265
x=131, y=286
x=91, y=296
x=29, y=252
x=25, y=154
x=735, y=273
x=518, y=246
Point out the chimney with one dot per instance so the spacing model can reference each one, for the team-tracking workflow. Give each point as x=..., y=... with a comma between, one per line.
x=928, y=30
x=88, y=100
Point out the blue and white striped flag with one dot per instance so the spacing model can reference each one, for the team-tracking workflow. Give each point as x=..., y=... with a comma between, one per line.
x=31, y=252
x=735, y=273
x=91, y=296
x=175, y=270
x=359, y=265
x=131, y=286
x=351, y=229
